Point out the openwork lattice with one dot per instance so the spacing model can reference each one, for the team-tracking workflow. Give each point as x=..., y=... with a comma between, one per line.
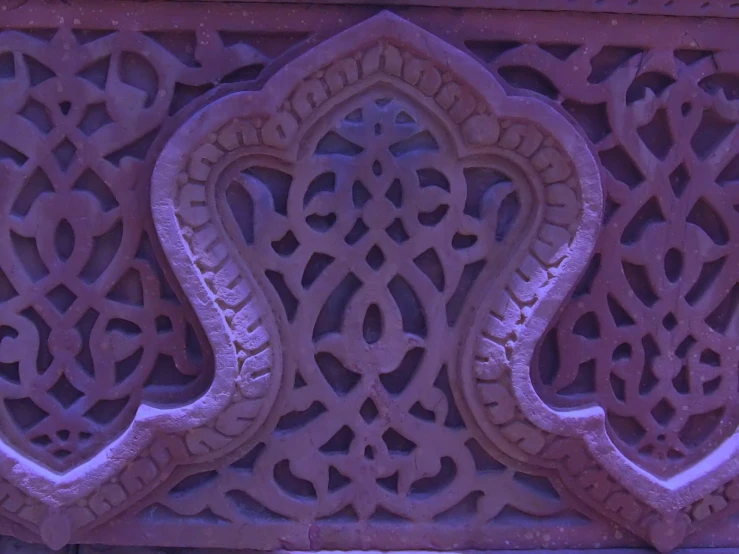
x=393, y=272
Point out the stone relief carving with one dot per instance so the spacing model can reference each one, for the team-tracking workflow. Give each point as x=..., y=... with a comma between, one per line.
x=400, y=242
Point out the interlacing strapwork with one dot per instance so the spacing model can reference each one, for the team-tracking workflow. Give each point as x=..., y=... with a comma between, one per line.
x=90, y=325
x=650, y=332
x=371, y=247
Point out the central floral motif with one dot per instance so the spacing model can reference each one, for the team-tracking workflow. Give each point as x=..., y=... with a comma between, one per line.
x=373, y=242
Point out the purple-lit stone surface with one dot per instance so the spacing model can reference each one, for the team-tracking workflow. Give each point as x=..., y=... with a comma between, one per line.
x=291, y=277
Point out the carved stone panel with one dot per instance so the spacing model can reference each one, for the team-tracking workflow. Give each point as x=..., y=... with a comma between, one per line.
x=275, y=277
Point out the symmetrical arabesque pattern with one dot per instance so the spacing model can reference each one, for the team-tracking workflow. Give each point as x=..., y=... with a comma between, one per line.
x=369, y=447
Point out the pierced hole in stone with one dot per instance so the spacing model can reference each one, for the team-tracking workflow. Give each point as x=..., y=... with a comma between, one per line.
x=135, y=70
x=63, y=435
x=480, y=182
x=277, y=183
x=652, y=80
x=627, y=428
x=396, y=381
x=286, y=245
x=685, y=345
x=681, y=381
x=295, y=420
x=397, y=443
x=710, y=357
x=372, y=325
x=619, y=164
x=673, y=264
x=584, y=381
x=648, y=380
x=329, y=319
x=378, y=129
x=368, y=411
x=638, y=279
x=321, y=223
x=708, y=275
x=325, y=182
x=38, y=114
x=711, y=132
x=95, y=118
x=241, y=204
x=669, y=322
x=649, y=214
x=9, y=153
x=61, y=298
x=288, y=299
x=663, y=412
x=427, y=486
x=336, y=479
x=377, y=168
x=434, y=217
x=705, y=216
x=585, y=285
x=42, y=441
x=126, y=367
x=622, y=352
x=358, y=230
x=24, y=412
x=593, y=118
x=389, y=483
x=90, y=182
x=587, y=326
x=720, y=318
x=64, y=240
x=163, y=324
x=44, y=357
x=65, y=153
x=36, y=185
x=524, y=77
x=291, y=483
x=420, y=142
x=334, y=143
x=454, y=306
x=549, y=358
x=700, y=426
x=608, y=60
x=340, y=442
x=360, y=194
x=430, y=264
x=422, y=413
x=375, y=258
x=656, y=134
x=395, y=193
x=610, y=209
x=508, y=212
x=429, y=177
x=461, y=242
x=710, y=387
x=411, y=311
x=105, y=411
x=686, y=108
x=679, y=180
x=316, y=265
x=618, y=386
x=64, y=107
x=369, y=453
x=397, y=232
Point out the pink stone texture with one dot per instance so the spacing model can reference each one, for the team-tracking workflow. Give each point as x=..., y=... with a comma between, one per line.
x=442, y=277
